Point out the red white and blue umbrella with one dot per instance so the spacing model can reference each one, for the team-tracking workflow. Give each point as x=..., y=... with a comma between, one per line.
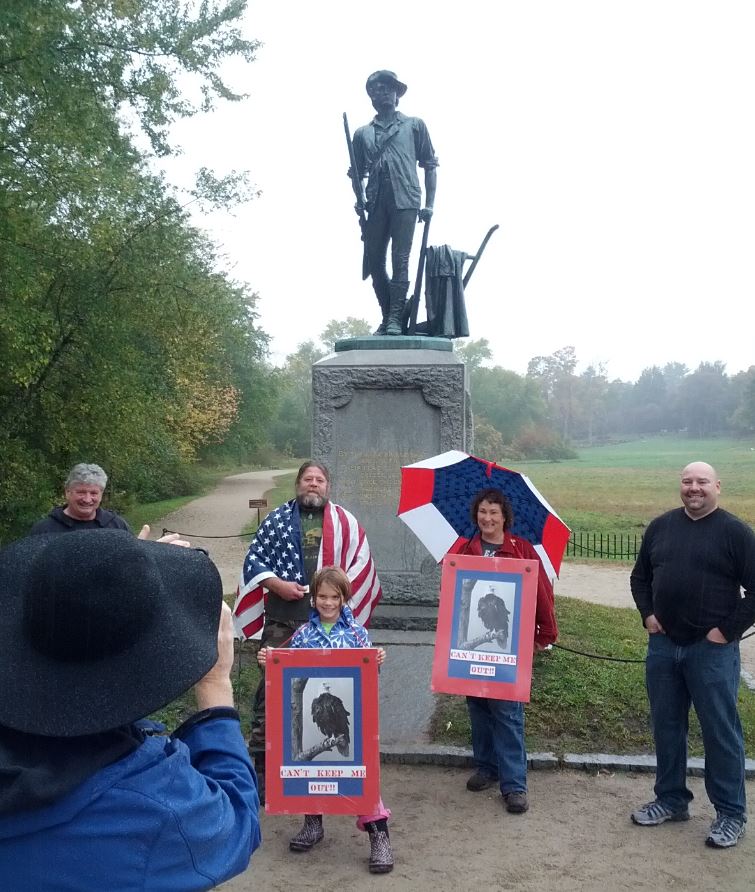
x=436, y=494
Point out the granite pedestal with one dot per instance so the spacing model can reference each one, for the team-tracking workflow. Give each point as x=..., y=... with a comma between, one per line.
x=376, y=408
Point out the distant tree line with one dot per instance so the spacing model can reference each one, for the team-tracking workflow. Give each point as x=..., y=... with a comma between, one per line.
x=544, y=413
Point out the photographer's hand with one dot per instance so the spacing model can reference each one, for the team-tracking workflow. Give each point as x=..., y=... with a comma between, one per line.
x=215, y=688
x=168, y=539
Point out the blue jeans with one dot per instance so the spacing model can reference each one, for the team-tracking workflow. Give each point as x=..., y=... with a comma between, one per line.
x=498, y=741
x=707, y=676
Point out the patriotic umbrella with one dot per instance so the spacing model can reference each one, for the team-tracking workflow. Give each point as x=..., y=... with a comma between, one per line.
x=436, y=494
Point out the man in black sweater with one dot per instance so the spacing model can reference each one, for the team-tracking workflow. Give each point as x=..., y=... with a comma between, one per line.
x=84, y=488
x=687, y=583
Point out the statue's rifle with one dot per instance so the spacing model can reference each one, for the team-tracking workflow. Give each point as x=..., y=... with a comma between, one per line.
x=356, y=185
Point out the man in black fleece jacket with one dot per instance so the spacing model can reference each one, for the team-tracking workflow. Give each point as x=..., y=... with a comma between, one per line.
x=687, y=583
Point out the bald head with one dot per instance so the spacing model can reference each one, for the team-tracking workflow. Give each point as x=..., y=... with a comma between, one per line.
x=699, y=489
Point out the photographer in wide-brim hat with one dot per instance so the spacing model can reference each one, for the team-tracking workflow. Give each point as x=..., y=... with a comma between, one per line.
x=97, y=631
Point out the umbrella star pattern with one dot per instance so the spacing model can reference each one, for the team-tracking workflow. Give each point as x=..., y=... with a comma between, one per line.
x=436, y=494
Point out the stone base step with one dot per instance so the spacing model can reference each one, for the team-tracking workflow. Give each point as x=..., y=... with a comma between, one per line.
x=402, y=638
x=408, y=617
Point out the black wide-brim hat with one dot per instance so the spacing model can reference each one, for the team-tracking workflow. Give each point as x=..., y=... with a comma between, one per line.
x=99, y=629
x=385, y=75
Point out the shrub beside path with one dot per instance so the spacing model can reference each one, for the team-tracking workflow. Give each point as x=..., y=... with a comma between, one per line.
x=577, y=836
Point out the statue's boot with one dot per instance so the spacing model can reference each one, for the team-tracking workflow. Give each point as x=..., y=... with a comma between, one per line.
x=398, y=292
x=384, y=302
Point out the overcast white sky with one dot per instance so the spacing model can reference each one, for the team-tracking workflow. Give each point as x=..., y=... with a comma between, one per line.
x=612, y=140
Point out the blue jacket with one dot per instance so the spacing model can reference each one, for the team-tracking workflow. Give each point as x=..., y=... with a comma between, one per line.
x=174, y=815
x=346, y=632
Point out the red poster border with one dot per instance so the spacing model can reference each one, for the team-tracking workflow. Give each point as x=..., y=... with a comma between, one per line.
x=491, y=567
x=362, y=659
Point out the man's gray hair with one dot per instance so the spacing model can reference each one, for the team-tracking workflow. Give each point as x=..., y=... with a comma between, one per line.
x=92, y=475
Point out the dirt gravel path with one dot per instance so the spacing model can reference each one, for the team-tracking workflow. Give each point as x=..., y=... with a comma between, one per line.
x=223, y=512
x=577, y=836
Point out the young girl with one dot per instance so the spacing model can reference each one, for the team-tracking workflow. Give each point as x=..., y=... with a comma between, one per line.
x=332, y=624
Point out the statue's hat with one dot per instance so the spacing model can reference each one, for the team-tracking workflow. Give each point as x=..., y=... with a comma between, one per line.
x=385, y=75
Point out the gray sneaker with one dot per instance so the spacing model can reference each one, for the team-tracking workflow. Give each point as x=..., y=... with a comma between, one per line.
x=653, y=813
x=725, y=831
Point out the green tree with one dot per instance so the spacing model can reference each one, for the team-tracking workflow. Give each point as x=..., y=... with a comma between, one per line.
x=650, y=402
x=473, y=353
x=119, y=330
x=743, y=418
x=706, y=399
x=488, y=442
x=555, y=374
x=592, y=391
x=292, y=427
x=85, y=62
x=338, y=329
x=507, y=400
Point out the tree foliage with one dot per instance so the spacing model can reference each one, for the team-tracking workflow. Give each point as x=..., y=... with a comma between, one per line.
x=474, y=353
x=337, y=329
x=537, y=415
x=743, y=418
x=292, y=425
x=123, y=340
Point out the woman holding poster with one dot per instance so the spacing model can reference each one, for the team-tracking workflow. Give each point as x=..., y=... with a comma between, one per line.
x=498, y=725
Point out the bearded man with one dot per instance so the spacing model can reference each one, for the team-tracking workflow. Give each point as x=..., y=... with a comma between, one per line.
x=296, y=539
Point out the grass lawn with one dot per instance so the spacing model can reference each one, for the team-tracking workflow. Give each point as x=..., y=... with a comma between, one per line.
x=578, y=704
x=620, y=488
x=584, y=705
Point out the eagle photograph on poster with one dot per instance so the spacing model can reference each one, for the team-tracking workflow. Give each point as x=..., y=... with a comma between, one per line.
x=486, y=616
x=322, y=710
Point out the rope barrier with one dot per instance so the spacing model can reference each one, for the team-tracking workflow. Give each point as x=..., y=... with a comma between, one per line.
x=580, y=653
x=617, y=659
x=202, y=536
x=596, y=656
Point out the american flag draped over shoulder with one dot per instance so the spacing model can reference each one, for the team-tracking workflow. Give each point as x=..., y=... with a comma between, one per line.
x=275, y=550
